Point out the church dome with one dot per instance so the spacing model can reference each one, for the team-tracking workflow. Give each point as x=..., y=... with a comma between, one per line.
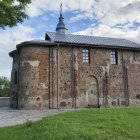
x=61, y=27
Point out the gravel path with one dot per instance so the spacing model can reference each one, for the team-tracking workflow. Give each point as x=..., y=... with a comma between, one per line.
x=10, y=117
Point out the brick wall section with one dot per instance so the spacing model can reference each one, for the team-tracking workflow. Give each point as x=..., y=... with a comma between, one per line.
x=56, y=77
x=33, y=77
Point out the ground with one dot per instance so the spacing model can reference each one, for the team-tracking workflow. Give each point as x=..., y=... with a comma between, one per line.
x=89, y=124
x=10, y=117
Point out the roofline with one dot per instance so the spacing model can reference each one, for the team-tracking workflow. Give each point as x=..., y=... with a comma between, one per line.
x=12, y=53
x=101, y=46
x=34, y=43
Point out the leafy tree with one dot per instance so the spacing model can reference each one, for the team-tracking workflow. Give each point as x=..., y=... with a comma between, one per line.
x=12, y=12
x=4, y=87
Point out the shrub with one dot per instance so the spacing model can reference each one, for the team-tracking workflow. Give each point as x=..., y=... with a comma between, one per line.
x=29, y=123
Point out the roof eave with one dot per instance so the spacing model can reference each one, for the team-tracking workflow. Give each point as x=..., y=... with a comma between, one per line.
x=12, y=53
x=100, y=46
x=35, y=43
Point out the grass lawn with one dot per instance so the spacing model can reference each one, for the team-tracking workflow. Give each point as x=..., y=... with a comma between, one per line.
x=98, y=124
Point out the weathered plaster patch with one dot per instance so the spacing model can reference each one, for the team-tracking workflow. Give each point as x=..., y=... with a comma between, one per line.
x=32, y=63
x=27, y=93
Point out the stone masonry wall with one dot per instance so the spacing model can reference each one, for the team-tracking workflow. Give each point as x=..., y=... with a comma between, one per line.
x=114, y=85
x=33, y=77
x=56, y=77
x=14, y=88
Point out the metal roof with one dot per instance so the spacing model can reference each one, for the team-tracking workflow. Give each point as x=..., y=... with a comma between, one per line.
x=90, y=40
x=35, y=41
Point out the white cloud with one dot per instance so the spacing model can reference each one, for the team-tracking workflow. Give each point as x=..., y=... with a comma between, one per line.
x=106, y=31
x=9, y=39
x=84, y=15
x=52, y=15
x=116, y=18
x=122, y=14
x=109, y=12
x=32, y=11
x=38, y=7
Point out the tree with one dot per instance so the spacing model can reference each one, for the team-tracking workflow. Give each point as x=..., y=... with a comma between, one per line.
x=4, y=87
x=12, y=12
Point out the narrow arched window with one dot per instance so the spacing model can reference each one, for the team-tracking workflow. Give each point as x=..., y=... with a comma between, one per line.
x=114, y=57
x=86, y=55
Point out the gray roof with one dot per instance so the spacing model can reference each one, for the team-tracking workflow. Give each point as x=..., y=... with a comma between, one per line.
x=35, y=41
x=91, y=40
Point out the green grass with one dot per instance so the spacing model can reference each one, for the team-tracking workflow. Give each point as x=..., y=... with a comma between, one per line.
x=98, y=124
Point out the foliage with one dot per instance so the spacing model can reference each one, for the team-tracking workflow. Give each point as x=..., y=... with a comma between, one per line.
x=4, y=87
x=93, y=124
x=12, y=12
x=28, y=123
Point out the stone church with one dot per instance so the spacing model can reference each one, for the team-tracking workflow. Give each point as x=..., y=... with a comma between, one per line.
x=75, y=71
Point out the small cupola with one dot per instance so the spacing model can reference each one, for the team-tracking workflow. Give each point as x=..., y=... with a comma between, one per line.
x=61, y=27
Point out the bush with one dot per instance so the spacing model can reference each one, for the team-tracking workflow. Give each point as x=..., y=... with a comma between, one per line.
x=29, y=123
x=4, y=87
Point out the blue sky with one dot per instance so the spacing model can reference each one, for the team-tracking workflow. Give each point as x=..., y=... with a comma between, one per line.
x=108, y=18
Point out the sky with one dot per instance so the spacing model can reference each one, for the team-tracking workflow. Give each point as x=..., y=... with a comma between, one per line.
x=106, y=18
